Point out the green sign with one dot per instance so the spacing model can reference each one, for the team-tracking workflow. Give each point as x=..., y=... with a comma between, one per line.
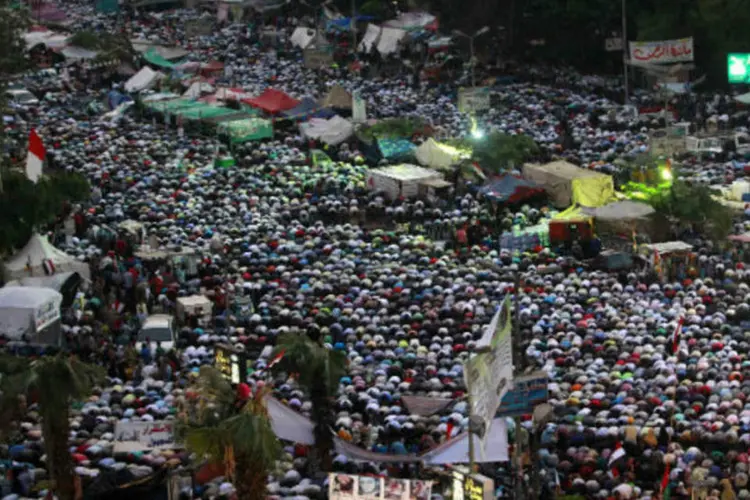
x=738, y=68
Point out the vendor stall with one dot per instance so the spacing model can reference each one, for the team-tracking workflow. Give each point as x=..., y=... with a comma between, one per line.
x=669, y=260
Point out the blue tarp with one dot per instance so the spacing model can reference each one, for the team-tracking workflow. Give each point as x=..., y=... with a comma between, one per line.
x=392, y=149
x=509, y=188
x=308, y=108
x=343, y=23
x=115, y=98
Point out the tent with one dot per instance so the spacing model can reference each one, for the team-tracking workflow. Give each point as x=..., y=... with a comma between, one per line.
x=566, y=183
x=28, y=310
x=152, y=56
x=411, y=21
x=743, y=98
x=400, y=180
x=621, y=210
x=142, y=80
x=332, y=131
x=509, y=189
x=197, y=89
x=65, y=283
x=370, y=40
x=272, y=101
x=388, y=43
x=435, y=155
x=302, y=37
x=338, y=97
x=247, y=129
x=308, y=108
x=395, y=148
x=38, y=255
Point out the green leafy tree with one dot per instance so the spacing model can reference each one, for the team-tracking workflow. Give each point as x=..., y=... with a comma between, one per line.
x=54, y=382
x=238, y=436
x=109, y=45
x=499, y=152
x=319, y=371
x=393, y=128
x=26, y=207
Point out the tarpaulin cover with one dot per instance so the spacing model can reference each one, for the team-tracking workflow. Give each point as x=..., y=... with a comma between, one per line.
x=621, y=210
x=412, y=21
x=332, y=131
x=337, y=97
x=30, y=260
x=78, y=53
x=287, y=424
x=203, y=111
x=302, y=37
x=248, y=129
x=509, y=189
x=152, y=56
x=370, y=40
x=197, y=89
x=115, y=98
x=566, y=183
x=272, y=101
x=308, y=108
x=435, y=155
x=173, y=105
x=141, y=80
x=20, y=308
x=344, y=23
x=395, y=148
x=389, y=40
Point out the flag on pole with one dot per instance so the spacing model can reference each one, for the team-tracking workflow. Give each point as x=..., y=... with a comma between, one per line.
x=613, y=458
x=276, y=359
x=35, y=158
x=676, y=336
x=665, y=480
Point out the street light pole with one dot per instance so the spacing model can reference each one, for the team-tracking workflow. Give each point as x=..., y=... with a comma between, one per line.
x=471, y=61
x=625, y=50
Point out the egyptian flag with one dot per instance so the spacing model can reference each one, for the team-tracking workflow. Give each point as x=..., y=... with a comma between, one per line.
x=615, y=457
x=676, y=336
x=276, y=359
x=35, y=158
x=48, y=266
x=665, y=482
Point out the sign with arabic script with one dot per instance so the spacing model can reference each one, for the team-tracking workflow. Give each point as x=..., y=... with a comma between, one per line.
x=738, y=68
x=661, y=52
x=141, y=436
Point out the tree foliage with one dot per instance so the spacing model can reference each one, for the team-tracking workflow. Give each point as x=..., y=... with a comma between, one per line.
x=109, y=45
x=26, y=207
x=318, y=370
x=53, y=382
x=498, y=152
x=237, y=436
x=392, y=128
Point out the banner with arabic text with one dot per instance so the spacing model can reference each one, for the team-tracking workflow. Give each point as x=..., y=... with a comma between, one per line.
x=351, y=487
x=663, y=51
x=141, y=436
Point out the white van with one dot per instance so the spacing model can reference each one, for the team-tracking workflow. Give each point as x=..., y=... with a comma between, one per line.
x=158, y=328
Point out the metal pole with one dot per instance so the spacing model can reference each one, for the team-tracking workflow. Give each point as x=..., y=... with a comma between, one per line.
x=471, y=61
x=625, y=50
x=471, y=434
x=518, y=366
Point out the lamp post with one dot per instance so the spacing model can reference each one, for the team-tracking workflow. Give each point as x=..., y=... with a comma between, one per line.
x=471, y=38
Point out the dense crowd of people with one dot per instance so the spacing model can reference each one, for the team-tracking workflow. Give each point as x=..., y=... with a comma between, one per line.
x=404, y=287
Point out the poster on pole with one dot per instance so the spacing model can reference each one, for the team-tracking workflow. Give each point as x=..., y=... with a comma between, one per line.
x=661, y=52
x=490, y=374
x=474, y=99
x=613, y=44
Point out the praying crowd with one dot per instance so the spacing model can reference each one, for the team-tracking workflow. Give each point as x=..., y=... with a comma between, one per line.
x=647, y=376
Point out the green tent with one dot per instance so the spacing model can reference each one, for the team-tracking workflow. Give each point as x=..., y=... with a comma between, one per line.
x=173, y=105
x=202, y=111
x=248, y=129
x=152, y=56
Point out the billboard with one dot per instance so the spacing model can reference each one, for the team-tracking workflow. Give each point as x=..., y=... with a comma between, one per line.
x=351, y=487
x=527, y=392
x=662, y=51
x=738, y=68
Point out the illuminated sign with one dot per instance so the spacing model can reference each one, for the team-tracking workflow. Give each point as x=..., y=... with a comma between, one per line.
x=230, y=363
x=476, y=487
x=738, y=68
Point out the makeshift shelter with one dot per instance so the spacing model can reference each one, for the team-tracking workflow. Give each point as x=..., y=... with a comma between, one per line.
x=413, y=21
x=248, y=129
x=566, y=183
x=435, y=155
x=743, y=98
x=302, y=37
x=620, y=210
x=563, y=225
x=142, y=80
x=306, y=109
x=509, y=189
x=338, y=98
x=392, y=149
x=332, y=131
x=456, y=450
x=370, y=40
x=152, y=56
x=197, y=89
x=65, y=283
x=30, y=312
x=389, y=40
x=402, y=180
x=211, y=69
x=40, y=258
x=272, y=101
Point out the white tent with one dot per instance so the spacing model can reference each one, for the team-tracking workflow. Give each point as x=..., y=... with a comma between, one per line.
x=287, y=424
x=400, y=180
x=332, y=131
x=370, y=40
x=302, y=37
x=743, y=98
x=27, y=310
x=434, y=155
x=456, y=451
x=197, y=89
x=620, y=210
x=31, y=260
x=411, y=20
x=389, y=40
x=141, y=80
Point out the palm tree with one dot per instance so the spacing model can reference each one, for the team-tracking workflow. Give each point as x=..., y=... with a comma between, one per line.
x=236, y=434
x=53, y=382
x=319, y=370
